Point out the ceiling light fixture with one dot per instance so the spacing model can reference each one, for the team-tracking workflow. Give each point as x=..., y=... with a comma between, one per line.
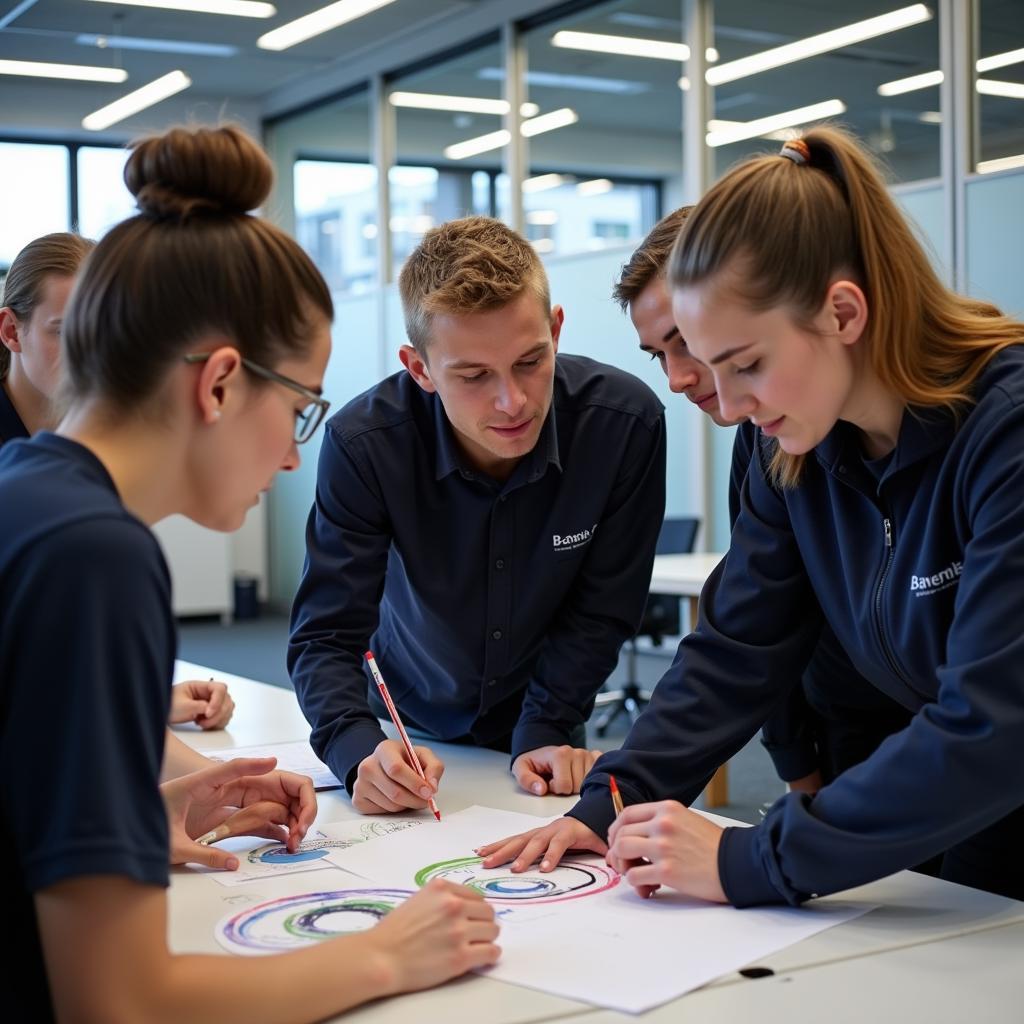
x=812, y=46
x=495, y=140
x=462, y=104
x=157, y=90
x=626, y=46
x=594, y=187
x=930, y=78
x=156, y=45
x=323, y=20
x=990, y=87
x=1000, y=60
x=72, y=72
x=785, y=119
x=234, y=8
x=542, y=182
x=1001, y=164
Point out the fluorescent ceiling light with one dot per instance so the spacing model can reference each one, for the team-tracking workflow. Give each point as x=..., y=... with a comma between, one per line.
x=236, y=8
x=560, y=118
x=543, y=244
x=74, y=72
x=764, y=125
x=990, y=87
x=718, y=125
x=930, y=78
x=1002, y=164
x=930, y=117
x=463, y=104
x=1000, y=60
x=627, y=46
x=814, y=45
x=157, y=90
x=323, y=20
x=594, y=187
x=542, y=182
x=156, y=45
x=495, y=140
x=901, y=85
x=477, y=145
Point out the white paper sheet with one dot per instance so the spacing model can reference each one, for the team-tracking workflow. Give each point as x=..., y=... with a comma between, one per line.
x=291, y=757
x=574, y=932
x=259, y=859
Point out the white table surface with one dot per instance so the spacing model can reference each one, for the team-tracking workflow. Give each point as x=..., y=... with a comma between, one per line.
x=683, y=575
x=921, y=928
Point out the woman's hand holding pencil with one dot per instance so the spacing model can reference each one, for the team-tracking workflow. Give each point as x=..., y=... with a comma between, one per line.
x=387, y=783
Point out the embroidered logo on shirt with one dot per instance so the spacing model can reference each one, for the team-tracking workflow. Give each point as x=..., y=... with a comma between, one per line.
x=571, y=541
x=925, y=586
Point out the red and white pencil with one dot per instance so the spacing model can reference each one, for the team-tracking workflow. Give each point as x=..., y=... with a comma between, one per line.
x=393, y=711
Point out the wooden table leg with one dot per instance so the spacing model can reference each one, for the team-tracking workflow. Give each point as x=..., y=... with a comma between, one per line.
x=717, y=792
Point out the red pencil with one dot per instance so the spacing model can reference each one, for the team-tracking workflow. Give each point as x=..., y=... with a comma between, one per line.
x=616, y=795
x=393, y=711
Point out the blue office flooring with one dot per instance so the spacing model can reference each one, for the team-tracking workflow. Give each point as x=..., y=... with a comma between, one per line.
x=256, y=648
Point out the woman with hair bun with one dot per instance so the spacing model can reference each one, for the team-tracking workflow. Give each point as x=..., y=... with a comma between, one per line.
x=193, y=349
x=885, y=498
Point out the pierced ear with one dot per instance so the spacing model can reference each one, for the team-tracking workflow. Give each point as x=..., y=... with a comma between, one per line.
x=847, y=306
x=9, y=329
x=218, y=377
x=417, y=367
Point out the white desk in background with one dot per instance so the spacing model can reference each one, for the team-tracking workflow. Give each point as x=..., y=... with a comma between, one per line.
x=932, y=951
x=684, y=576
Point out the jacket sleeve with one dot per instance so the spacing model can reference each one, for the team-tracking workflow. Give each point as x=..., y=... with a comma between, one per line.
x=956, y=769
x=336, y=608
x=606, y=602
x=757, y=623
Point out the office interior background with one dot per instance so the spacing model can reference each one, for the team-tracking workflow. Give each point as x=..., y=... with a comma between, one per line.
x=578, y=123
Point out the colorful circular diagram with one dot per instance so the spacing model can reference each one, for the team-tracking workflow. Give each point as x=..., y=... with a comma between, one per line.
x=313, y=849
x=296, y=921
x=568, y=881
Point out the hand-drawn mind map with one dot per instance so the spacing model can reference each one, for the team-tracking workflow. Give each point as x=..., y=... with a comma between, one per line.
x=296, y=921
x=568, y=881
x=292, y=922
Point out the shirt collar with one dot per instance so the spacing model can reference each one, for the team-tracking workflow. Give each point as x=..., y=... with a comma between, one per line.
x=10, y=422
x=450, y=457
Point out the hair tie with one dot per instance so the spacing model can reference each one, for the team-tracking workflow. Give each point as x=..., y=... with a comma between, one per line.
x=796, y=150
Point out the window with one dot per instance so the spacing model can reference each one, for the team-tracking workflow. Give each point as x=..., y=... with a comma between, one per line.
x=1000, y=85
x=103, y=197
x=34, y=195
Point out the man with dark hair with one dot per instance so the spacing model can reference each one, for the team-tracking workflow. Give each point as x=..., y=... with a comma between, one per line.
x=485, y=521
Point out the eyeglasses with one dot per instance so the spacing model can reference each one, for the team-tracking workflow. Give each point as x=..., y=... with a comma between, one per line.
x=308, y=418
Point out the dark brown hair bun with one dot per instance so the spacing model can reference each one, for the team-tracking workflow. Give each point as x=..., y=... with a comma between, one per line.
x=201, y=171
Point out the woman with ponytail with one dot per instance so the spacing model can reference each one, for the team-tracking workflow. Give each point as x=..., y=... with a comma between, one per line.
x=193, y=352
x=884, y=498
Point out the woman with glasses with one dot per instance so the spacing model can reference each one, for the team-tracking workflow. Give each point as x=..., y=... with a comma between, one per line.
x=182, y=395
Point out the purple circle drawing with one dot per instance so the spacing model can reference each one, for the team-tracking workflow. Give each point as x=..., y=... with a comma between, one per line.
x=569, y=881
x=296, y=921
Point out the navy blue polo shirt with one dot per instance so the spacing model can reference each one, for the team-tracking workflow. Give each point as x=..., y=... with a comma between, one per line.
x=86, y=657
x=496, y=610
x=11, y=426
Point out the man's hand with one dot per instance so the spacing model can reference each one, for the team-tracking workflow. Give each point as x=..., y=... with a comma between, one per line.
x=242, y=797
x=386, y=782
x=666, y=843
x=203, y=701
x=546, y=844
x=559, y=770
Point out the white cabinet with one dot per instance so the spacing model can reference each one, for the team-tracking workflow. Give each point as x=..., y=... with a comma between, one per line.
x=200, y=563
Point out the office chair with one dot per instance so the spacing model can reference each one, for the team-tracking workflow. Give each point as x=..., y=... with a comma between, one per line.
x=661, y=618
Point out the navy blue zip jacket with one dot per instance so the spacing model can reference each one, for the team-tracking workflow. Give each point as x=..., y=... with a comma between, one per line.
x=494, y=609
x=920, y=574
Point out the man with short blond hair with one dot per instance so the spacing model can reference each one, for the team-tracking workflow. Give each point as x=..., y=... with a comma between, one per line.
x=485, y=521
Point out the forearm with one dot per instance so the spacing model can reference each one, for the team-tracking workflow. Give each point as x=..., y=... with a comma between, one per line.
x=180, y=759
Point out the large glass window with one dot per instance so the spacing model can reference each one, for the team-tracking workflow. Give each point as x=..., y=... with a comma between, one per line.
x=103, y=197
x=1000, y=84
x=448, y=125
x=34, y=195
x=606, y=143
x=333, y=189
x=867, y=74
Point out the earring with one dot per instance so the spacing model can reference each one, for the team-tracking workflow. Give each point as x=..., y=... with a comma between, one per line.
x=216, y=414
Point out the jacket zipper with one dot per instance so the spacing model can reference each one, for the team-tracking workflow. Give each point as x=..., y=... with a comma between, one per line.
x=883, y=642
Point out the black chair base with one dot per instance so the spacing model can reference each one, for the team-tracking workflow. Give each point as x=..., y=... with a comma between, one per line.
x=629, y=699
